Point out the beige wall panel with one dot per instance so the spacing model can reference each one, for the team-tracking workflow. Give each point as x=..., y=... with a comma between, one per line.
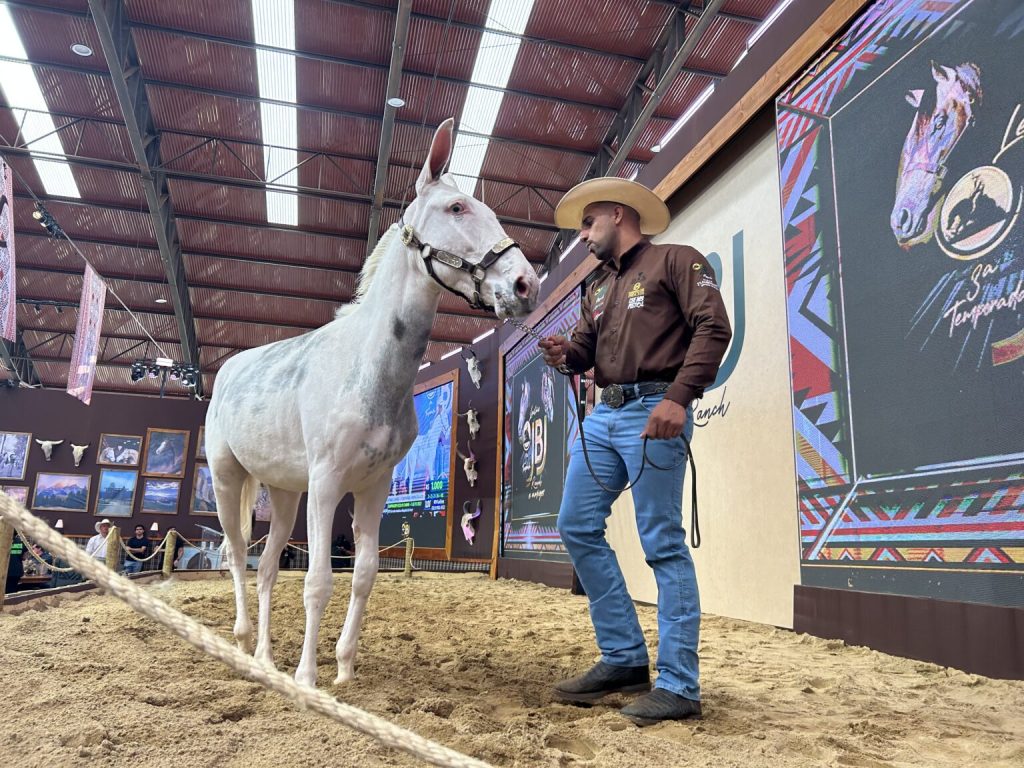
x=749, y=558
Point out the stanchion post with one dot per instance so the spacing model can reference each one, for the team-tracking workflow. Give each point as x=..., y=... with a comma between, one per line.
x=113, y=548
x=408, y=556
x=6, y=540
x=169, y=543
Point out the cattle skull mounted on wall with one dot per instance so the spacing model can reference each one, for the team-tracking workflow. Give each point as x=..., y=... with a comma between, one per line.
x=48, y=446
x=468, y=529
x=469, y=466
x=473, y=365
x=473, y=419
x=78, y=451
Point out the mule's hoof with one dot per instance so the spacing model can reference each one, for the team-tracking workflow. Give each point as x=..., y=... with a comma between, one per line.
x=344, y=676
x=266, y=658
x=305, y=678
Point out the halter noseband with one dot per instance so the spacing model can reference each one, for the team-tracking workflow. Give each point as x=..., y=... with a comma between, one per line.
x=476, y=271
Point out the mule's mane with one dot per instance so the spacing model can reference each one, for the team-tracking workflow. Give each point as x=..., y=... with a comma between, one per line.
x=369, y=270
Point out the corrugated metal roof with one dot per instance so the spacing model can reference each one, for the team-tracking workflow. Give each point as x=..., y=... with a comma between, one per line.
x=224, y=18
x=203, y=63
x=253, y=282
x=191, y=112
x=254, y=277
x=628, y=27
x=276, y=243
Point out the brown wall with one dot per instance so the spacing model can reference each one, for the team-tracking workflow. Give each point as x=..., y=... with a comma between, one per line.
x=54, y=415
x=485, y=400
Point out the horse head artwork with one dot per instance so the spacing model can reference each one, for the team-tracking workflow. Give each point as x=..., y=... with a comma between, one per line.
x=332, y=411
x=942, y=118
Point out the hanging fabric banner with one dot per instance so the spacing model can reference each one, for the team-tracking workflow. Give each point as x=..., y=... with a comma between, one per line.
x=87, y=336
x=8, y=328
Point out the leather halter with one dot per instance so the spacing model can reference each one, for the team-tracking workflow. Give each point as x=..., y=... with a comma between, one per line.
x=476, y=271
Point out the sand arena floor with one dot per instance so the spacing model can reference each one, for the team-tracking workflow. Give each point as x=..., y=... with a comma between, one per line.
x=468, y=662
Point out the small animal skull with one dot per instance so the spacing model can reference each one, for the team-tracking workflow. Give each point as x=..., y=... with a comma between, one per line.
x=473, y=365
x=78, y=451
x=467, y=520
x=469, y=466
x=473, y=419
x=47, y=446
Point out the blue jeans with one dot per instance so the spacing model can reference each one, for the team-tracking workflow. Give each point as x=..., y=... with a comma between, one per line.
x=132, y=566
x=616, y=453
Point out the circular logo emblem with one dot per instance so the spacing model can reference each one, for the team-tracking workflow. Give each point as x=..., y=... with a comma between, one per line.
x=978, y=213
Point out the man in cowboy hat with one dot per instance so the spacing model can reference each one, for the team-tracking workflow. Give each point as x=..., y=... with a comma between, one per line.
x=654, y=328
x=97, y=545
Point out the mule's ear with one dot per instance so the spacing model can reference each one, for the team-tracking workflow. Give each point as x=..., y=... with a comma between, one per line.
x=437, y=157
x=914, y=97
x=943, y=74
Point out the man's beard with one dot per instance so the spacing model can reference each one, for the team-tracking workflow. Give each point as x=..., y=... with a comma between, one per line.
x=603, y=252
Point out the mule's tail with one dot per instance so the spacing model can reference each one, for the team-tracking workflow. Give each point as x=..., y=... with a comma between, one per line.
x=250, y=491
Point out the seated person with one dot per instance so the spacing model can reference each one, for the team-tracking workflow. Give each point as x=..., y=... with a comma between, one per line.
x=14, y=568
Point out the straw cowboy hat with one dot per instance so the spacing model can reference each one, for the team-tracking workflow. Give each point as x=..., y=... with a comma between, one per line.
x=104, y=521
x=653, y=212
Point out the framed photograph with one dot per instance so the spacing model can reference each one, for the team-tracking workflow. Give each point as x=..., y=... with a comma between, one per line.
x=203, y=500
x=201, y=443
x=160, y=497
x=17, y=492
x=61, y=493
x=165, y=452
x=14, y=454
x=262, y=508
x=123, y=450
x=116, y=495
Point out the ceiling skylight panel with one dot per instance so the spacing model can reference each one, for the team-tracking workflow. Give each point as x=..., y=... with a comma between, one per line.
x=21, y=90
x=274, y=25
x=499, y=47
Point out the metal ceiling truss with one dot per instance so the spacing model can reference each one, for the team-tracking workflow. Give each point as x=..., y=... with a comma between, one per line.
x=111, y=19
x=18, y=361
x=673, y=48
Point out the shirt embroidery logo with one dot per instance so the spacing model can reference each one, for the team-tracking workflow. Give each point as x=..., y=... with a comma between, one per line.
x=599, y=295
x=635, y=296
x=707, y=281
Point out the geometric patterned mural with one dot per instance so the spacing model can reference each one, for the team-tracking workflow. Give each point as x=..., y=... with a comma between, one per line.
x=902, y=182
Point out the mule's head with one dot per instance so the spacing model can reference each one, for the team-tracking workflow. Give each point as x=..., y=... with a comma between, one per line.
x=941, y=119
x=456, y=222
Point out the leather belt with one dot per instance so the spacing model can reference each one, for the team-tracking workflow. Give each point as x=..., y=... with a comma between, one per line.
x=617, y=395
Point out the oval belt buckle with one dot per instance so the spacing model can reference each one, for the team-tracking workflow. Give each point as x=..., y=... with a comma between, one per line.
x=612, y=396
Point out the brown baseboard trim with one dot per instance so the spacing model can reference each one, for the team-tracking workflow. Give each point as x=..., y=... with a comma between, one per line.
x=538, y=571
x=982, y=639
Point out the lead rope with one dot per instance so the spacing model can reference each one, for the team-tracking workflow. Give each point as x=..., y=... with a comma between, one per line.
x=694, y=523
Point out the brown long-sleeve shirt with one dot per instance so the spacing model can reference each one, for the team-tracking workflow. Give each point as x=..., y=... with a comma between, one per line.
x=657, y=315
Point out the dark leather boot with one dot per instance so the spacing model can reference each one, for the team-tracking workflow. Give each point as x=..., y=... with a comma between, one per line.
x=602, y=679
x=660, y=705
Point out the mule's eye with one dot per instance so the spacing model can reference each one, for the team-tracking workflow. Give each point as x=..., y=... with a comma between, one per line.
x=457, y=208
x=940, y=123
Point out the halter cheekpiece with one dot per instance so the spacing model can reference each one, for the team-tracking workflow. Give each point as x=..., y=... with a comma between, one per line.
x=476, y=271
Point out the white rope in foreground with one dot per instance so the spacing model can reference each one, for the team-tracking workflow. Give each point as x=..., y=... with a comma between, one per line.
x=206, y=640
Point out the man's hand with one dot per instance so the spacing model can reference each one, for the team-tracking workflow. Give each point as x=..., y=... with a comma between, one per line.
x=666, y=421
x=554, y=349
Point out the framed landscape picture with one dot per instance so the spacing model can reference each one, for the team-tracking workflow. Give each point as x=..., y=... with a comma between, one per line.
x=61, y=493
x=14, y=454
x=165, y=452
x=201, y=443
x=17, y=492
x=160, y=497
x=203, y=500
x=115, y=496
x=123, y=450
